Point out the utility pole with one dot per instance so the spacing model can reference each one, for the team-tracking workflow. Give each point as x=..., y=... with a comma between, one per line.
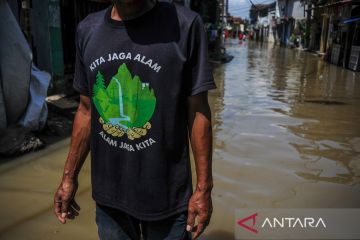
x=308, y=24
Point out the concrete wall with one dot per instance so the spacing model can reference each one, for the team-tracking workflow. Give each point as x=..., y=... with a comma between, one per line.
x=289, y=8
x=296, y=10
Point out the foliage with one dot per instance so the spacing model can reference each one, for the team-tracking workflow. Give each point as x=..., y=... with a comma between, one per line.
x=133, y=104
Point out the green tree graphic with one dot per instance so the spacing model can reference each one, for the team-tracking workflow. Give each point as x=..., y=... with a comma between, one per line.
x=100, y=96
x=126, y=101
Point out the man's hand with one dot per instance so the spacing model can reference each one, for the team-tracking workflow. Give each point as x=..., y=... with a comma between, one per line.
x=200, y=207
x=65, y=205
x=64, y=202
x=199, y=124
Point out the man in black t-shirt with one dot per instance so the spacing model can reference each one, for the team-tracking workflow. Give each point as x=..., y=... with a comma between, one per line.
x=142, y=72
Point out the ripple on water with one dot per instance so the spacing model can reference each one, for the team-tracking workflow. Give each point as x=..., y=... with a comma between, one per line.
x=280, y=123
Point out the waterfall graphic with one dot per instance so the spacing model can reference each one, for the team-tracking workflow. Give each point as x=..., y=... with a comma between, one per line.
x=122, y=117
x=126, y=102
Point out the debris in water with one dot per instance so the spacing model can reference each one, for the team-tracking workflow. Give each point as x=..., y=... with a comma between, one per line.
x=16, y=140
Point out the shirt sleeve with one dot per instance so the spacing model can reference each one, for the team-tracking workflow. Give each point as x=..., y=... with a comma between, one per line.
x=80, y=83
x=200, y=77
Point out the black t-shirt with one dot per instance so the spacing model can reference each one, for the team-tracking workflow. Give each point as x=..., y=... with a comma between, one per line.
x=138, y=74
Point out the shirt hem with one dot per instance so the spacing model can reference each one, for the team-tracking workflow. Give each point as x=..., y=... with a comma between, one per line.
x=141, y=216
x=203, y=88
x=80, y=90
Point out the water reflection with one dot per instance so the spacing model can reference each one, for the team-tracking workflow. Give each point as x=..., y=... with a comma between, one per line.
x=286, y=133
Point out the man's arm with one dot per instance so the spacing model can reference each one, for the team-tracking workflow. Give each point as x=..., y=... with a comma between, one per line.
x=64, y=202
x=199, y=122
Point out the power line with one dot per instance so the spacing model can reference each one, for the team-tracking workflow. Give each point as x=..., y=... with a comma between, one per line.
x=252, y=4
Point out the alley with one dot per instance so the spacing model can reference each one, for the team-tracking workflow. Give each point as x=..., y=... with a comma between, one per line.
x=286, y=134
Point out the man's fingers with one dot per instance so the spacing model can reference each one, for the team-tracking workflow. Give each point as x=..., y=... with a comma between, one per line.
x=67, y=212
x=194, y=229
x=58, y=212
x=64, y=208
x=57, y=208
x=72, y=214
x=200, y=229
x=72, y=211
x=75, y=205
x=190, y=220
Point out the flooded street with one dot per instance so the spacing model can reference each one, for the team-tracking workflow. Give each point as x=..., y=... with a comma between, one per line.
x=286, y=135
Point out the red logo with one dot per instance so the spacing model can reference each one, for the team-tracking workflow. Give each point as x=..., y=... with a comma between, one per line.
x=250, y=228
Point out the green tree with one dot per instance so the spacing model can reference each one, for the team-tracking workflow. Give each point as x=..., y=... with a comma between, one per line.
x=100, y=96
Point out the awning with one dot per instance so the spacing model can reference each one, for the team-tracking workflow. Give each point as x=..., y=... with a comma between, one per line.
x=355, y=2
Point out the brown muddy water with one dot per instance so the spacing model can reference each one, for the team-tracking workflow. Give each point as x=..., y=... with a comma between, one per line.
x=286, y=135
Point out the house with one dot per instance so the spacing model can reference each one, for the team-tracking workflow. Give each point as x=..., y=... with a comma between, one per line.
x=261, y=16
x=340, y=35
x=290, y=16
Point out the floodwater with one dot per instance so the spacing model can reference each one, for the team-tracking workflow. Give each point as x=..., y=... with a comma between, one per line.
x=286, y=135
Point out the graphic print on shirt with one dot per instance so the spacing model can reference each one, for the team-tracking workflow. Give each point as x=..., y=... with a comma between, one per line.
x=125, y=106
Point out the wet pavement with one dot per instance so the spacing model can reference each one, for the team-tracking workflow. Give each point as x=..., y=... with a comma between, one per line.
x=286, y=135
